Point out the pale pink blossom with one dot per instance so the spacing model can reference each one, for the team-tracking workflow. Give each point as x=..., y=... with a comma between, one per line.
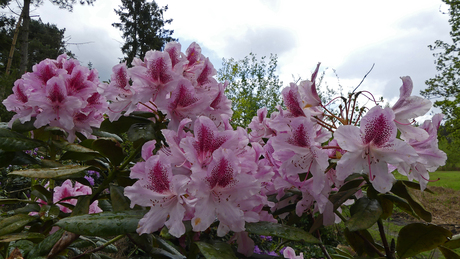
x=372, y=147
x=67, y=189
x=290, y=253
x=163, y=192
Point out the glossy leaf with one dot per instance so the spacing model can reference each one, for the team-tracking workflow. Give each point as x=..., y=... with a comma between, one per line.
x=99, y=133
x=122, y=124
x=144, y=131
x=356, y=241
x=24, y=246
x=387, y=206
x=448, y=253
x=414, y=185
x=400, y=203
x=400, y=189
x=288, y=232
x=15, y=201
x=109, y=149
x=453, y=243
x=21, y=236
x=42, y=193
x=217, y=250
x=49, y=212
x=103, y=224
x=353, y=184
x=365, y=212
x=65, y=172
x=418, y=237
x=82, y=206
x=13, y=141
x=13, y=223
x=119, y=201
x=339, y=198
x=23, y=127
x=15, y=158
x=45, y=246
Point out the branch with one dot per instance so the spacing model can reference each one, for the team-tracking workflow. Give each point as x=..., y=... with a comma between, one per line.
x=364, y=77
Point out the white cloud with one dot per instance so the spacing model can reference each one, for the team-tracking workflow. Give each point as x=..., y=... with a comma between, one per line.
x=346, y=35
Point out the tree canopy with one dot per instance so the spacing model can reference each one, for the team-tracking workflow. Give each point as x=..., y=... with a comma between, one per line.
x=142, y=24
x=444, y=87
x=253, y=84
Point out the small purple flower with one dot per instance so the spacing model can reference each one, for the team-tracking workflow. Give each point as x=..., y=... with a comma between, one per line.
x=90, y=180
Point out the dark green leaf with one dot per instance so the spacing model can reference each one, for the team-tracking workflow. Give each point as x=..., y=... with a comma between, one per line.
x=453, y=243
x=418, y=237
x=103, y=224
x=400, y=189
x=42, y=193
x=400, y=203
x=78, y=156
x=356, y=241
x=110, y=149
x=353, y=184
x=99, y=133
x=15, y=201
x=448, y=253
x=21, y=236
x=122, y=124
x=45, y=246
x=23, y=127
x=119, y=201
x=16, y=158
x=82, y=206
x=387, y=206
x=365, y=212
x=24, y=246
x=49, y=212
x=339, y=198
x=13, y=223
x=145, y=131
x=414, y=185
x=273, y=229
x=70, y=171
x=13, y=141
x=217, y=250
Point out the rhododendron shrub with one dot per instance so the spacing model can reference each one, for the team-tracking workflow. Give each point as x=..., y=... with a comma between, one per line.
x=171, y=166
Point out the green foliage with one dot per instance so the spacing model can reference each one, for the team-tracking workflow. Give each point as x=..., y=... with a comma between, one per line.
x=253, y=84
x=444, y=87
x=142, y=25
x=45, y=41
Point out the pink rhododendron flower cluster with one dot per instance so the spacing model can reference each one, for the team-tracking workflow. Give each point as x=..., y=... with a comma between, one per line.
x=206, y=171
x=59, y=93
x=178, y=84
x=68, y=189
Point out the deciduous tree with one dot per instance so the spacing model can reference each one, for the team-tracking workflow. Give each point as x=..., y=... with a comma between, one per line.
x=253, y=84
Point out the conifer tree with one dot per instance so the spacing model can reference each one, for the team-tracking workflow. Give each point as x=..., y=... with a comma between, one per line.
x=142, y=24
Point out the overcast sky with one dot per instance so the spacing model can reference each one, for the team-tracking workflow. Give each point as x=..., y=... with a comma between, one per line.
x=348, y=36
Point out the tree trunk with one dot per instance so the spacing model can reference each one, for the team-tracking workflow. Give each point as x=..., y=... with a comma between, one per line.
x=25, y=38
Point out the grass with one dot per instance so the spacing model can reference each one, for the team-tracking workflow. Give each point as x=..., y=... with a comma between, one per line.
x=447, y=179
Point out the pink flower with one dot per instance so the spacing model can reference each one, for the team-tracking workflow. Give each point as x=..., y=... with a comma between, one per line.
x=183, y=103
x=407, y=108
x=372, y=147
x=67, y=189
x=57, y=107
x=290, y=253
x=300, y=153
x=164, y=193
x=224, y=192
